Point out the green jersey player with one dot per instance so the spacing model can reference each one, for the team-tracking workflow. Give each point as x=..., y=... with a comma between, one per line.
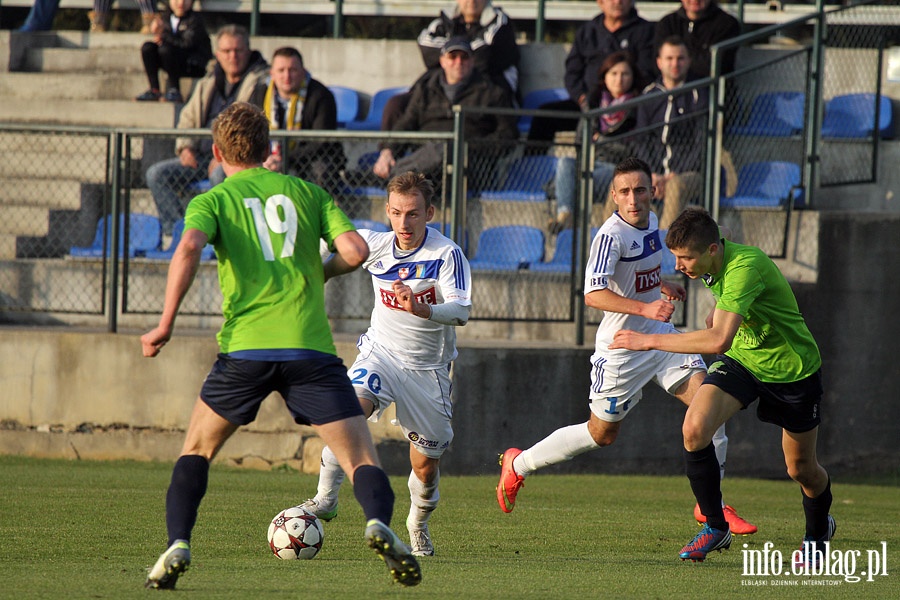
x=265, y=228
x=766, y=353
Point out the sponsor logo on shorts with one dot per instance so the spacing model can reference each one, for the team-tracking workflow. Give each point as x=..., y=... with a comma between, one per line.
x=415, y=438
x=715, y=368
x=389, y=299
x=644, y=281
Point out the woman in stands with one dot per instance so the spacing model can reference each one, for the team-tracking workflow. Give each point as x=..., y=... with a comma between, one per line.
x=618, y=81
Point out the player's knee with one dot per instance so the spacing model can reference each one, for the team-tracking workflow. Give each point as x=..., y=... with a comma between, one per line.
x=695, y=436
x=804, y=472
x=603, y=436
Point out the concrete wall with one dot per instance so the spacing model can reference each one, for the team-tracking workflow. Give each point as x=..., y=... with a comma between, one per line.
x=91, y=395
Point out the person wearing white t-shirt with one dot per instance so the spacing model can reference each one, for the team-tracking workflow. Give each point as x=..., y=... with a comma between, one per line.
x=622, y=278
x=423, y=292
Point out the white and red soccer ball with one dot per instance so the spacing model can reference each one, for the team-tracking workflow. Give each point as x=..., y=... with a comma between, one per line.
x=295, y=533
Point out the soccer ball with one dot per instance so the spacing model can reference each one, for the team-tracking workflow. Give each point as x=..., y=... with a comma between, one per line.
x=295, y=533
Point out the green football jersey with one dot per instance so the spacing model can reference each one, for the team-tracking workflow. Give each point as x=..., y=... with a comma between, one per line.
x=266, y=228
x=773, y=341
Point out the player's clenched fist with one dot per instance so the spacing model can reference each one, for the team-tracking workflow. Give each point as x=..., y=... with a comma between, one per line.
x=659, y=310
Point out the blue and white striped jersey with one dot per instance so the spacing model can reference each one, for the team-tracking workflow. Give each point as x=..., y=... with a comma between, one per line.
x=626, y=260
x=437, y=272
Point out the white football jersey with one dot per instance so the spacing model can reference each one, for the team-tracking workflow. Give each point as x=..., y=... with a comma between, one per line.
x=626, y=260
x=437, y=272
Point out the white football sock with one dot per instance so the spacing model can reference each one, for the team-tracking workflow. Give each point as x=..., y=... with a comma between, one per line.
x=563, y=444
x=423, y=498
x=331, y=476
x=720, y=442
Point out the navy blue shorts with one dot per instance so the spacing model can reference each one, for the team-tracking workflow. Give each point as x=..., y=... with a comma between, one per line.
x=792, y=406
x=316, y=391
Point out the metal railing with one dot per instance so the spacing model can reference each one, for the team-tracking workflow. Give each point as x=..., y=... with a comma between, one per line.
x=60, y=181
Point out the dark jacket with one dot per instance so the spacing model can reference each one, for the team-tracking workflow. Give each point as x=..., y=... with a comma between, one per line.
x=594, y=42
x=319, y=113
x=191, y=36
x=713, y=26
x=429, y=109
x=493, y=41
x=676, y=144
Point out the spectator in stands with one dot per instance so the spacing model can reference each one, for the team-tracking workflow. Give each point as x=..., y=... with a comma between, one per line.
x=701, y=24
x=294, y=100
x=238, y=75
x=493, y=39
x=100, y=15
x=674, y=146
x=180, y=47
x=618, y=82
x=618, y=27
x=430, y=109
x=40, y=17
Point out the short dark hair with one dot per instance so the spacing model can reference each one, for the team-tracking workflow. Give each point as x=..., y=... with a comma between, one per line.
x=288, y=52
x=672, y=40
x=241, y=133
x=632, y=164
x=411, y=183
x=694, y=229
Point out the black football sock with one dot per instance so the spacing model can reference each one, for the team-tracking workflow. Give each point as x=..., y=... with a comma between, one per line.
x=816, y=510
x=373, y=492
x=702, y=469
x=188, y=486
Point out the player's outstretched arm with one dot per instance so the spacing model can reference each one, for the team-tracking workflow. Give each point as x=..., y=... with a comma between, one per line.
x=351, y=251
x=715, y=340
x=609, y=301
x=182, y=270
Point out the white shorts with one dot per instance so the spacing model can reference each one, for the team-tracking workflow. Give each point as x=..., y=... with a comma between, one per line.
x=618, y=376
x=422, y=398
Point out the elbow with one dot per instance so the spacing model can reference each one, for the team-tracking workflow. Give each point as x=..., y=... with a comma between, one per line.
x=358, y=255
x=721, y=345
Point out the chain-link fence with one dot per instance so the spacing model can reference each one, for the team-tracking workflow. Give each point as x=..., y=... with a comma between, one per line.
x=856, y=113
x=503, y=203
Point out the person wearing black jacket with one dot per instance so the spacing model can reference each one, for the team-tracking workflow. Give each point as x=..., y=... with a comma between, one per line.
x=430, y=108
x=673, y=142
x=180, y=47
x=617, y=28
x=701, y=24
x=490, y=33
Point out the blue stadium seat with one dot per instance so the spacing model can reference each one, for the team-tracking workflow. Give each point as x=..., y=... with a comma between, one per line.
x=348, y=104
x=508, y=248
x=774, y=114
x=372, y=121
x=199, y=187
x=208, y=253
x=766, y=184
x=370, y=225
x=144, y=233
x=445, y=229
x=852, y=116
x=525, y=180
x=562, y=253
x=535, y=98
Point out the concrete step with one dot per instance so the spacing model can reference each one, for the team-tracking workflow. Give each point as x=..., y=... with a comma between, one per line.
x=55, y=143
x=87, y=168
x=68, y=60
x=25, y=220
x=60, y=86
x=109, y=113
x=63, y=194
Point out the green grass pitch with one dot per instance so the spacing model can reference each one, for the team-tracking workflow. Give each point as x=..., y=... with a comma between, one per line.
x=79, y=529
